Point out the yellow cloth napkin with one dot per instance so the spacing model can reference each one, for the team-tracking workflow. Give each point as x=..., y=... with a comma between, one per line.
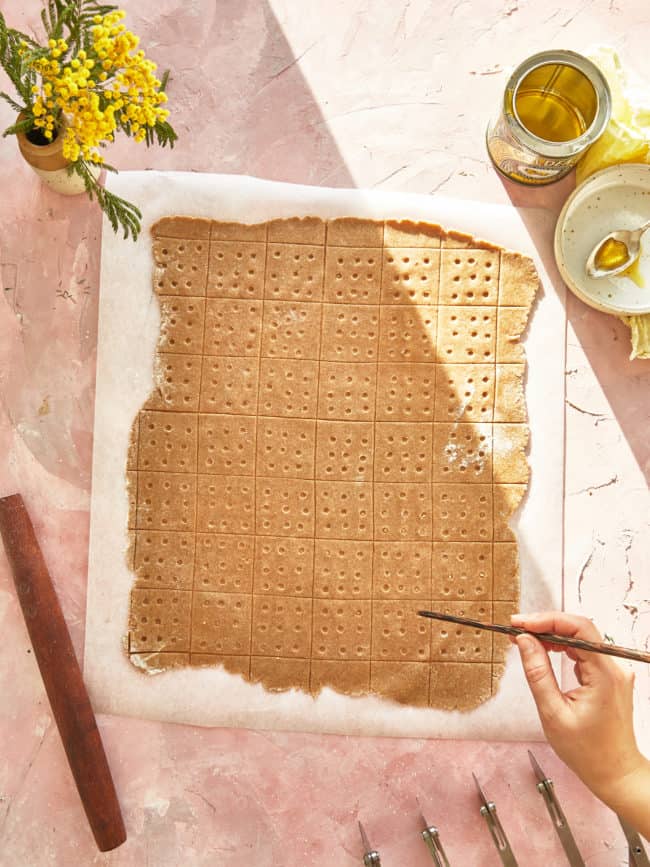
x=626, y=140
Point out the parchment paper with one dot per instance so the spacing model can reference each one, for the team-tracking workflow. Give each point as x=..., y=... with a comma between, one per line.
x=128, y=331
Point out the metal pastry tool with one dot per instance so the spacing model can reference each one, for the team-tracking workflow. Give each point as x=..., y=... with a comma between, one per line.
x=638, y=855
x=549, y=637
x=431, y=837
x=546, y=790
x=370, y=855
x=489, y=813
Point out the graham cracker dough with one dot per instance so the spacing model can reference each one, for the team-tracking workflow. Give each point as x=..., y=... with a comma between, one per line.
x=337, y=438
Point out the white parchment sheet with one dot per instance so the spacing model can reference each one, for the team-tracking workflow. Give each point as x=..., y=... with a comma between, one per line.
x=128, y=331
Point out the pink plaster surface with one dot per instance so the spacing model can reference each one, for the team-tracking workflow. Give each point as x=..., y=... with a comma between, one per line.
x=385, y=95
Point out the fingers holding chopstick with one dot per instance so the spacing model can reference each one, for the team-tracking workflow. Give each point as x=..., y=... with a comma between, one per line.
x=569, y=625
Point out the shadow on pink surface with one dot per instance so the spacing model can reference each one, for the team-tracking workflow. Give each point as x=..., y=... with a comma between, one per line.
x=239, y=111
x=604, y=339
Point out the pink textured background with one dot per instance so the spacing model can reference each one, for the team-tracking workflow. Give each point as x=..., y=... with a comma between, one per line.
x=355, y=93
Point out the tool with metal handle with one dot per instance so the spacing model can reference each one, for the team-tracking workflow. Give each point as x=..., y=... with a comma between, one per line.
x=638, y=855
x=431, y=837
x=547, y=791
x=370, y=856
x=489, y=813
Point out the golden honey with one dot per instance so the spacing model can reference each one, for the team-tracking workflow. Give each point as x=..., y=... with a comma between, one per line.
x=635, y=274
x=611, y=254
x=556, y=105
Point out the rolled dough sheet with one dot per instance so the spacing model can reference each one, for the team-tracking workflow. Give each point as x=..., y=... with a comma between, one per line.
x=186, y=694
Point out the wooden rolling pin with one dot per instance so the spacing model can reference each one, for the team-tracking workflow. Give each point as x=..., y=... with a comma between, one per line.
x=61, y=674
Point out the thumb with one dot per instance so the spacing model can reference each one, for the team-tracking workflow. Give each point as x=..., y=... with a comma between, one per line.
x=540, y=676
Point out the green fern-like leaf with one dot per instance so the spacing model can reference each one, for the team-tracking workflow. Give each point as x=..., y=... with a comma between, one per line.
x=120, y=213
x=163, y=133
x=18, y=127
x=12, y=102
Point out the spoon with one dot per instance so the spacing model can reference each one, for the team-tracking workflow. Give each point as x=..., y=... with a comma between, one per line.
x=616, y=252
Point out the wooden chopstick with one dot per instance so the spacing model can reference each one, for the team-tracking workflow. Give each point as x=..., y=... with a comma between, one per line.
x=61, y=674
x=550, y=637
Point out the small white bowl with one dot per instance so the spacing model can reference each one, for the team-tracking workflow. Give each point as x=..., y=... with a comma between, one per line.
x=614, y=198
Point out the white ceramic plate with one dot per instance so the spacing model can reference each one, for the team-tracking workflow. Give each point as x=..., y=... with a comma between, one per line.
x=614, y=198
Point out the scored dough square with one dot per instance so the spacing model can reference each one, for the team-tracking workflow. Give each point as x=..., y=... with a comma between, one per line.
x=462, y=452
x=453, y=643
x=236, y=270
x=166, y=501
x=223, y=563
x=164, y=560
x=402, y=570
x=291, y=329
x=232, y=327
x=410, y=276
x=466, y=335
x=469, y=277
x=402, y=511
x=167, y=441
x=177, y=381
x=160, y=620
x=344, y=510
x=344, y=452
x=284, y=507
x=405, y=392
x=335, y=438
x=221, y=622
x=225, y=504
x=284, y=566
x=403, y=452
x=341, y=629
x=350, y=332
x=295, y=272
x=180, y=266
x=227, y=444
x=407, y=333
x=462, y=513
x=229, y=385
x=285, y=447
x=343, y=569
x=281, y=626
x=347, y=393
x=462, y=571
x=288, y=388
x=465, y=392
x=352, y=275
x=398, y=634
x=181, y=325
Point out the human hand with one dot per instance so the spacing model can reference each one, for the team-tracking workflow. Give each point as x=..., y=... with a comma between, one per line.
x=590, y=727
